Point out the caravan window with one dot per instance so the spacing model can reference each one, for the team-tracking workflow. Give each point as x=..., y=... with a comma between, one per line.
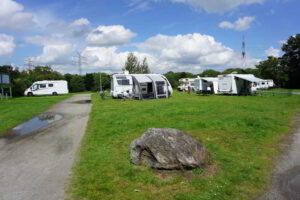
x=35, y=87
x=50, y=85
x=160, y=87
x=123, y=82
x=43, y=86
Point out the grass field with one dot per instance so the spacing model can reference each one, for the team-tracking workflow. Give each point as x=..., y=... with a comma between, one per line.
x=241, y=133
x=17, y=110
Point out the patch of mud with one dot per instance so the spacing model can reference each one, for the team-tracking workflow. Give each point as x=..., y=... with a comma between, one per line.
x=33, y=125
x=88, y=101
x=290, y=184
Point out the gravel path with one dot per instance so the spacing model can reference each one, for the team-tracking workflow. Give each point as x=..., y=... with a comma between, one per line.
x=37, y=166
x=286, y=178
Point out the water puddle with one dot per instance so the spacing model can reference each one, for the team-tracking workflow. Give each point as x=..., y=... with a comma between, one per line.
x=83, y=101
x=34, y=124
x=290, y=183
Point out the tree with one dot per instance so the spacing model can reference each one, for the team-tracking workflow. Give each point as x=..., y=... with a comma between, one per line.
x=144, y=68
x=210, y=73
x=89, y=82
x=290, y=61
x=133, y=66
x=271, y=69
x=76, y=84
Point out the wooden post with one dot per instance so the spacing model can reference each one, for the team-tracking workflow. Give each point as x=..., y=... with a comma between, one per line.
x=10, y=91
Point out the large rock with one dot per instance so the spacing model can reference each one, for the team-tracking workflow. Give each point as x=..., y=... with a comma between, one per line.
x=167, y=149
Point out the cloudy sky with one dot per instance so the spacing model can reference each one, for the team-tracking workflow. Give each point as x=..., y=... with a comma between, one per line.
x=177, y=35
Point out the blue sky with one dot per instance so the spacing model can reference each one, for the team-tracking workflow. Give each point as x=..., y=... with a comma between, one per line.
x=177, y=35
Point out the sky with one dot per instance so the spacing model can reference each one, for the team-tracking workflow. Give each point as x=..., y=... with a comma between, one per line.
x=174, y=35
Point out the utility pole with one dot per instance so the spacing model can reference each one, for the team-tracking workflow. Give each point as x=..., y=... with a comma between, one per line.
x=244, y=52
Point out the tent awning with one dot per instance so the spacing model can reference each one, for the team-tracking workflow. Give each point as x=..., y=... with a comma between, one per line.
x=142, y=78
x=156, y=77
x=249, y=78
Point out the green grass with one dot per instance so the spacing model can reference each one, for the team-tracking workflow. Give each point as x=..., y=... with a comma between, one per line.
x=241, y=133
x=17, y=110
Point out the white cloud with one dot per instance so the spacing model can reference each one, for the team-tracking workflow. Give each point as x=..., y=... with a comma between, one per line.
x=109, y=59
x=80, y=27
x=110, y=36
x=190, y=49
x=43, y=40
x=217, y=6
x=210, y=6
x=13, y=16
x=240, y=24
x=55, y=54
x=7, y=45
x=271, y=51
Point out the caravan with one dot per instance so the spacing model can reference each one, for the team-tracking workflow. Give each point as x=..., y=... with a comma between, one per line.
x=186, y=84
x=238, y=84
x=140, y=86
x=206, y=85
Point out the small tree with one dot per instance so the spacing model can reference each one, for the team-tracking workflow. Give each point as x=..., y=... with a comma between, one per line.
x=134, y=66
x=144, y=67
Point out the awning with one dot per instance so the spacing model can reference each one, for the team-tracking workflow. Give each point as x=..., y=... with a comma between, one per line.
x=156, y=77
x=142, y=78
x=249, y=78
x=210, y=79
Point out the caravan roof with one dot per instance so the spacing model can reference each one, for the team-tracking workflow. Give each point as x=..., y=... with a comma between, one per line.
x=248, y=77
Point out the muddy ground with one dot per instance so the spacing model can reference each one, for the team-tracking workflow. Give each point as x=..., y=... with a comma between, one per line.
x=36, y=165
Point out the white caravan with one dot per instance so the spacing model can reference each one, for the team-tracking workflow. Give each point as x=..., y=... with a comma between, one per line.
x=48, y=87
x=140, y=86
x=121, y=85
x=186, y=83
x=206, y=85
x=265, y=84
x=239, y=84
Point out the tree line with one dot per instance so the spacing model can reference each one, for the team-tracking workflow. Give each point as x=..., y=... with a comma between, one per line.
x=285, y=71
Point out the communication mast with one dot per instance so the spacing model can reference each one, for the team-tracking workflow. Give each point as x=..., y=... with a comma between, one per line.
x=244, y=52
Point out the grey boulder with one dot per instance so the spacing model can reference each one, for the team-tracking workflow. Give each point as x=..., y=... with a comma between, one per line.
x=167, y=149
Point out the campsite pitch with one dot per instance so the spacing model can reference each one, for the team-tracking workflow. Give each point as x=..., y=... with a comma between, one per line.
x=241, y=132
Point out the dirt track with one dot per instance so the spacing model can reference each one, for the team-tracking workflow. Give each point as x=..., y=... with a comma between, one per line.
x=286, y=177
x=37, y=166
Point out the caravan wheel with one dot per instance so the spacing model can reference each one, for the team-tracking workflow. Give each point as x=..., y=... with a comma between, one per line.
x=54, y=93
x=29, y=94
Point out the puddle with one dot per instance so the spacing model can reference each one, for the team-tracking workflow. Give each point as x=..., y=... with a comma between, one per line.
x=290, y=184
x=34, y=124
x=83, y=101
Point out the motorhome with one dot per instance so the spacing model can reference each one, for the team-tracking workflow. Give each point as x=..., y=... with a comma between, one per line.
x=186, y=84
x=140, y=86
x=206, y=85
x=238, y=84
x=47, y=87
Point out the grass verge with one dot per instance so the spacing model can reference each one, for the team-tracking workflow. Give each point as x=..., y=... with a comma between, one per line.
x=17, y=110
x=241, y=133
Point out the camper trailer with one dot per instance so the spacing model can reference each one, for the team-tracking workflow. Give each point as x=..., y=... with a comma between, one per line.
x=185, y=84
x=140, y=86
x=237, y=84
x=265, y=84
x=121, y=85
x=206, y=85
x=47, y=87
